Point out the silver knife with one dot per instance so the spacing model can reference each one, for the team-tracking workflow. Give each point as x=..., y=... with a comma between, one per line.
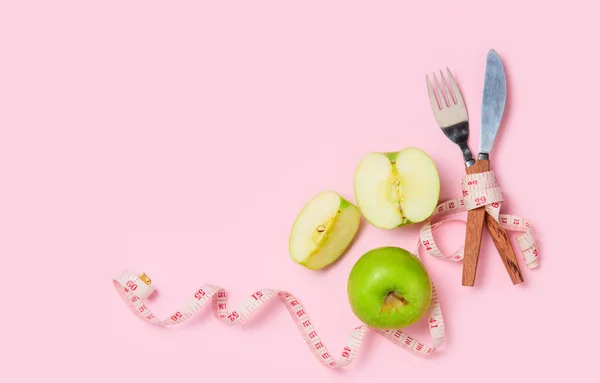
x=494, y=101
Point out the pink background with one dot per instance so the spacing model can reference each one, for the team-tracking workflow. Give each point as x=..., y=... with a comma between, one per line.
x=182, y=138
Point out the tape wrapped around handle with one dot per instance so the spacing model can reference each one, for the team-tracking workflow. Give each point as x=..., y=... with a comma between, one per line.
x=479, y=190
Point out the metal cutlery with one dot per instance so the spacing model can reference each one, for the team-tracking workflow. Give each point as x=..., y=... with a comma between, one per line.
x=452, y=117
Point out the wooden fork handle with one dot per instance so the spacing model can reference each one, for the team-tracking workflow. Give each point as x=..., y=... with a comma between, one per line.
x=475, y=220
x=507, y=254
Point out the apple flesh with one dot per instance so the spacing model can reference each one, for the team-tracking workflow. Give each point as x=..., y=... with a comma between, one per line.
x=389, y=288
x=323, y=230
x=397, y=188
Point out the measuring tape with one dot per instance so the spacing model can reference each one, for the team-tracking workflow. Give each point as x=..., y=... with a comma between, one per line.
x=136, y=289
x=479, y=190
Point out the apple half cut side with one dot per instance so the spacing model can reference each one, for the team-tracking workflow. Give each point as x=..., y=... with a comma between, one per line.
x=396, y=188
x=323, y=230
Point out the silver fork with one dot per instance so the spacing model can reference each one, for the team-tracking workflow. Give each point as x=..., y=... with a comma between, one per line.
x=450, y=114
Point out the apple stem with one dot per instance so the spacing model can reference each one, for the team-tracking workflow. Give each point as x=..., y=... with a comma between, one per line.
x=398, y=297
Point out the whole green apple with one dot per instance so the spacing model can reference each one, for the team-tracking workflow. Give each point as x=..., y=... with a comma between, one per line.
x=389, y=288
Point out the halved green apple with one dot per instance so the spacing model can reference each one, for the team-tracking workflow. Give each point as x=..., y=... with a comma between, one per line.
x=397, y=188
x=323, y=230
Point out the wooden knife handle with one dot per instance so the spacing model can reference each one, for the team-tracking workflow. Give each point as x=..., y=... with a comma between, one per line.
x=505, y=249
x=475, y=220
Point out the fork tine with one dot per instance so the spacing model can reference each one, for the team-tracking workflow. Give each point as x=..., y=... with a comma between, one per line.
x=432, y=98
x=457, y=94
x=447, y=90
x=440, y=92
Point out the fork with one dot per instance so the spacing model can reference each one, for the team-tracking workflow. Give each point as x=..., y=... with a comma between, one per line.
x=452, y=117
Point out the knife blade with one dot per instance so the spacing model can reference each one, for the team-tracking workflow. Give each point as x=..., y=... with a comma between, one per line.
x=493, y=103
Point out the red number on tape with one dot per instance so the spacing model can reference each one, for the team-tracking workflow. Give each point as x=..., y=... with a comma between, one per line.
x=346, y=352
x=131, y=285
x=257, y=295
x=426, y=244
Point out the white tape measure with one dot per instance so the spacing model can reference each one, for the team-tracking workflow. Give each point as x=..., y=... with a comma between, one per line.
x=135, y=289
x=480, y=190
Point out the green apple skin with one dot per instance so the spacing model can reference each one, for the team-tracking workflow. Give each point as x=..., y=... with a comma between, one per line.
x=378, y=277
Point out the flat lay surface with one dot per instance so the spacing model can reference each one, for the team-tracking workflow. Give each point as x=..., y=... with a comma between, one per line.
x=182, y=139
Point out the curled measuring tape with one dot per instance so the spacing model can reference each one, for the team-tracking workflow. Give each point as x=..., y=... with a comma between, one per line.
x=135, y=289
x=479, y=190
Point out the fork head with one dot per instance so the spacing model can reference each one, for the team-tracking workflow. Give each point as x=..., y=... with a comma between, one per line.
x=450, y=112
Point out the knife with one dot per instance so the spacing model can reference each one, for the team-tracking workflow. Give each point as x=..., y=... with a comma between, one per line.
x=493, y=104
x=494, y=100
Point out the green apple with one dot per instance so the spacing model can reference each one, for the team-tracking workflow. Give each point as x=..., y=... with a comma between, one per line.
x=389, y=288
x=323, y=230
x=397, y=188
